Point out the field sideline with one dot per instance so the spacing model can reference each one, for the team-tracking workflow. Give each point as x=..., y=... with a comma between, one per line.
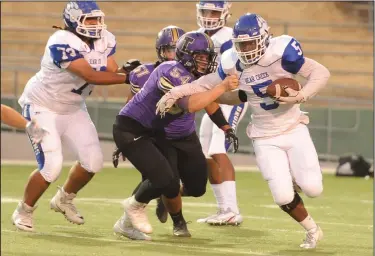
x=345, y=213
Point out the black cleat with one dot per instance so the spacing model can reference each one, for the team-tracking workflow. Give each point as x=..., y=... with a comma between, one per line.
x=180, y=229
x=161, y=211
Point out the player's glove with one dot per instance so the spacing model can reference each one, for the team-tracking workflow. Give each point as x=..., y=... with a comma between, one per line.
x=294, y=97
x=35, y=132
x=231, y=138
x=165, y=104
x=115, y=156
x=129, y=66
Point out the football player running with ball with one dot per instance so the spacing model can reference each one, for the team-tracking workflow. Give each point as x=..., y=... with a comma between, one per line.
x=283, y=147
x=76, y=59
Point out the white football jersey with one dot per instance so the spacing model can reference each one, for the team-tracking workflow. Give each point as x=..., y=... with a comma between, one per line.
x=222, y=40
x=54, y=87
x=283, y=59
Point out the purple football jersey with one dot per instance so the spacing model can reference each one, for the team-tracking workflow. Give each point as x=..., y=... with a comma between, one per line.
x=150, y=87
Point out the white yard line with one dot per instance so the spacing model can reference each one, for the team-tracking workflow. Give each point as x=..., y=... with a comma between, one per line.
x=127, y=164
x=131, y=243
x=110, y=201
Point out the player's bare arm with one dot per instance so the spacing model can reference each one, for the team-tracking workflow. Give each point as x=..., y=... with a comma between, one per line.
x=199, y=101
x=112, y=64
x=83, y=69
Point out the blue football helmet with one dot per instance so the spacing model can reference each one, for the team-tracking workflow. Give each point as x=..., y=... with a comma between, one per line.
x=75, y=14
x=196, y=52
x=250, y=38
x=212, y=15
x=166, y=40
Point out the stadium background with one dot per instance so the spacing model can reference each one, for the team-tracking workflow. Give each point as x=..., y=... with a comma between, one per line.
x=337, y=34
x=341, y=39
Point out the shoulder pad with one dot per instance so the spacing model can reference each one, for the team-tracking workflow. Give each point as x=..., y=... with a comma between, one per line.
x=65, y=47
x=65, y=37
x=292, y=57
x=228, y=61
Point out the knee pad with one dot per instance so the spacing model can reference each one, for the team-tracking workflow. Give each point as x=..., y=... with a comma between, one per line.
x=312, y=189
x=292, y=205
x=52, y=165
x=197, y=191
x=92, y=159
x=172, y=190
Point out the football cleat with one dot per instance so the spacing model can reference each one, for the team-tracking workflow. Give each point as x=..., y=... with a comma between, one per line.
x=312, y=237
x=136, y=212
x=22, y=217
x=204, y=220
x=161, y=211
x=62, y=202
x=226, y=218
x=123, y=227
x=180, y=229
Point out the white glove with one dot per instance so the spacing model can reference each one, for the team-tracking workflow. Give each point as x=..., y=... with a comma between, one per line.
x=294, y=97
x=165, y=103
x=35, y=132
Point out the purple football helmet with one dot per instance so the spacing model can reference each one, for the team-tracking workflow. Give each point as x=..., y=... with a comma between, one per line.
x=75, y=14
x=166, y=40
x=190, y=49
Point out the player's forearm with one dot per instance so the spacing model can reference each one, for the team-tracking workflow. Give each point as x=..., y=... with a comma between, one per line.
x=199, y=101
x=12, y=118
x=105, y=78
x=232, y=98
x=317, y=77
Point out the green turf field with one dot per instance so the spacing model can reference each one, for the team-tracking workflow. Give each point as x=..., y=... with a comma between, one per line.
x=345, y=213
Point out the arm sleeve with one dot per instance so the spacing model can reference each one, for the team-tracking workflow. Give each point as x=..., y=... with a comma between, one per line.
x=203, y=84
x=317, y=77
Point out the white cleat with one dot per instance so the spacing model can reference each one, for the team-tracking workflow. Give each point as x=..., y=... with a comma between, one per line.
x=22, y=217
x=136, y=212
x=62, y=202
x=226, y=218
x=123, y=227
x=312, y=237
x=204, y=220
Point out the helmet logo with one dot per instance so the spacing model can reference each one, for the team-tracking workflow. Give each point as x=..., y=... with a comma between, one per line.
x=72, y=12
x=187, y=41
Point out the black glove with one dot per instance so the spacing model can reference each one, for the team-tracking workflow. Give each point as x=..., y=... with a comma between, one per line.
x=115, y=156
x=129, y=66
x=231, y=138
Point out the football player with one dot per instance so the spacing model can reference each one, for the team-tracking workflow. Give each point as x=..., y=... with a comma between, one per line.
x=283, y=147
x=212, y=17
x=139, y=73
x=76, y=59
x=12, y=118
x=170, y=145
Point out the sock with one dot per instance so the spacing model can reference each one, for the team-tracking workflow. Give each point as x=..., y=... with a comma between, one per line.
x=230, y=195
x=177, y=217
x=219, y=191
x=308, y=223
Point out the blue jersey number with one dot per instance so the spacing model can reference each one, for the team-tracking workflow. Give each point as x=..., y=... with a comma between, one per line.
x=265, y=105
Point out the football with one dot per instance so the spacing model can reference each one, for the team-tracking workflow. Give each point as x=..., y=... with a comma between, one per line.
x=276, y=88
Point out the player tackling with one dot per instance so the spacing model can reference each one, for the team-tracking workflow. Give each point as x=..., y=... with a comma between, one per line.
x=283, y=147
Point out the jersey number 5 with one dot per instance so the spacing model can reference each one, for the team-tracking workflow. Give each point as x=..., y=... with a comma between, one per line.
x=268, y=103
x=296, y=46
